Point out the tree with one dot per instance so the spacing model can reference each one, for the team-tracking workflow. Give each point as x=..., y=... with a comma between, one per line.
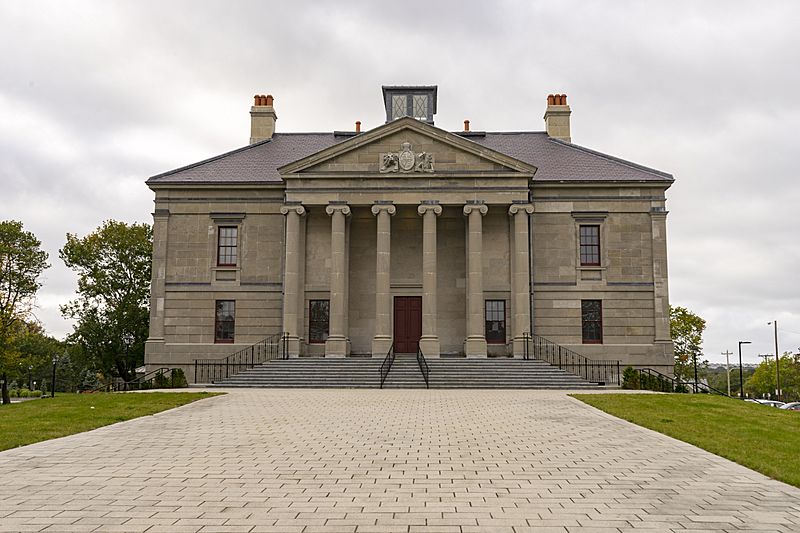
x=113, y=266
x=22, y=262
x=762, y=382
x=686, y=329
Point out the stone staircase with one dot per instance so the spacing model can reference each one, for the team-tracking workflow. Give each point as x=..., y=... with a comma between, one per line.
x=445, y=373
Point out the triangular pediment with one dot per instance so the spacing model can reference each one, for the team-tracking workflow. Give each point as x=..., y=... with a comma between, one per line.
x=407, y=147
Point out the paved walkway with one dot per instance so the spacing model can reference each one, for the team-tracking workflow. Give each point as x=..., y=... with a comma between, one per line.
x=378, y=461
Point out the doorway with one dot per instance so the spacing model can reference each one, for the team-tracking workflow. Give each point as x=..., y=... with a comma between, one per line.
x=407, y=323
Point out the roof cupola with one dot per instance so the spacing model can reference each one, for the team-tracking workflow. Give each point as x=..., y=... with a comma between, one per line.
x=416, y=101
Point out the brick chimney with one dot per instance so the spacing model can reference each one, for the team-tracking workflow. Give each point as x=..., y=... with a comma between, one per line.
x=556, y=117
x=262, y=118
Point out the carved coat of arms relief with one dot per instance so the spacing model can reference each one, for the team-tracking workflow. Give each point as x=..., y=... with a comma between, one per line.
x=406, y=160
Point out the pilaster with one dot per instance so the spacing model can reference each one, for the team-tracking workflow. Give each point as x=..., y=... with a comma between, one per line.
x=520, y=265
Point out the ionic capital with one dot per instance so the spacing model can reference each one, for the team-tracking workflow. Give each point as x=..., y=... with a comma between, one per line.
x=479, y=208
x=436, y=209
x=516, y=208
x=388, y=208
x=333, y=208
x=299, y=209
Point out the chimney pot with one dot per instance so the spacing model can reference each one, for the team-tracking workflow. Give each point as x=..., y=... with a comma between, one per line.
x=268, y=99
x=358, y=126
x=466, y=125
x=556, y=117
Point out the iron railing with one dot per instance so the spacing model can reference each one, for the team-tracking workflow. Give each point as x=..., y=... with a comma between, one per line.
x=213, y=370
x=147, y=381
x=597, y=371
x=423, y=366
x=650, y=379
x=386, y=366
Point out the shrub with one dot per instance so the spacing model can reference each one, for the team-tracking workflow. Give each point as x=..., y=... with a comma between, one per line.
x=160, y=381
x=13, y=393
x=24, y=393
x=178, y=379
x=630, y=378
x=37, y=393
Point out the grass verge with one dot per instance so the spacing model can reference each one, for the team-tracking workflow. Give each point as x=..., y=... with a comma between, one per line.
x=50, y=418
x=758, y=437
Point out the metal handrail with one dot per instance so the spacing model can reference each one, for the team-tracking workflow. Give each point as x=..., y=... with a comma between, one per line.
x=212, y=370
x=600, y=371
x=423, y=366
x=674, y=384
x=137, y=383
x=386, y=366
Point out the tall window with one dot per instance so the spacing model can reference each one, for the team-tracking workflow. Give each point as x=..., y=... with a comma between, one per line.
x=590, y=245
x=592, y=321
x=225, y=320
x=227, y=237
x=318, y=320
x=495, y=321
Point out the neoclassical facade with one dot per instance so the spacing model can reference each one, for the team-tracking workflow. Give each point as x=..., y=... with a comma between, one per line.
x=406, y=235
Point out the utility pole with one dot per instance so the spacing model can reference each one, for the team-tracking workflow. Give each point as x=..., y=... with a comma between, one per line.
x=728, y=354
x=766, y=356
x=777, y=361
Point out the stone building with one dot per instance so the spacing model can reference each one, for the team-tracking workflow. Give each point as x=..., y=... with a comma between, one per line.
x=462, y=241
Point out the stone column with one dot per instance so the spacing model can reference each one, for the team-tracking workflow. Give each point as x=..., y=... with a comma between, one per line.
x=520, y=265
x=429, y=342
x=476, y=338
x=337, y=344
x=382, y=340
x=291, y=277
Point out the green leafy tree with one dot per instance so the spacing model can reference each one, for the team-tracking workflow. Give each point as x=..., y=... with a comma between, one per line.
x=22, y=262
x=762, y=383
x=113, y=266
x=687, y=336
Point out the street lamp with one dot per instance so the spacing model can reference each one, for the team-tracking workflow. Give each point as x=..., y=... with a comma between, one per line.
x=777, y=361
x=53, y=386
x=741, y=378
x=127, y=340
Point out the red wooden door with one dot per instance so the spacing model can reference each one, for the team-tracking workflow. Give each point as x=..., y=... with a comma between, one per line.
x=407, y=323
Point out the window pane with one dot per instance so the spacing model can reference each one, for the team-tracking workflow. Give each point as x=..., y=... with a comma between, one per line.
x=227, y=245
x=495, y=312
x=590, y=245
x=399, y=106
x=592, y=321
x=225, y=321
x=421, y=106
x=319, y=312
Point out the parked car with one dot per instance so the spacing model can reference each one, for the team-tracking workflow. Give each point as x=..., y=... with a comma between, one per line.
x=771, y=403
x=791, y=406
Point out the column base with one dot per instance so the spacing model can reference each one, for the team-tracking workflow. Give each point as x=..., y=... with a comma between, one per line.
x=381, y=345
x=518, y=347
x=337, y=346
x=293, y=346
x=429, y=344
x=476, y=346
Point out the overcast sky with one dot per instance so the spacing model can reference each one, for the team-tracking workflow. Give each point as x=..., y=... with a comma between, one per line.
x=97, y=96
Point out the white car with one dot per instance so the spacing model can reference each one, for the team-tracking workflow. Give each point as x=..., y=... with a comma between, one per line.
x=791, y=406
x=771, y=403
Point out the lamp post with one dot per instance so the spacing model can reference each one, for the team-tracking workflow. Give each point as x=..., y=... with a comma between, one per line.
x=30, y=383
x=741, y=373
x=777, y=361
x=127, y=340
x=53, y=384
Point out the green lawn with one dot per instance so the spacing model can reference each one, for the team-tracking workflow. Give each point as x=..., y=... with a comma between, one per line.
x=49, y=418
x=759, y=437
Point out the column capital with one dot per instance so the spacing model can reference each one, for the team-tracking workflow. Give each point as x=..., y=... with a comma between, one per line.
x=389, y=208
x=333, y=208
x=297, y=208
x=436, y=209
x=516, y=208
x=476, y=207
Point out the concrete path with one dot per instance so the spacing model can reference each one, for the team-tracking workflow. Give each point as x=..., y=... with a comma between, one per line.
x=378, y=461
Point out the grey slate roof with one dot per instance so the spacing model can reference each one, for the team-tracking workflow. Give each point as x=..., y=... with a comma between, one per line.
x=556, y=160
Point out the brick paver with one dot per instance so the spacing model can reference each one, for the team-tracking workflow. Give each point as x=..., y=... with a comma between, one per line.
x=383, y=461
